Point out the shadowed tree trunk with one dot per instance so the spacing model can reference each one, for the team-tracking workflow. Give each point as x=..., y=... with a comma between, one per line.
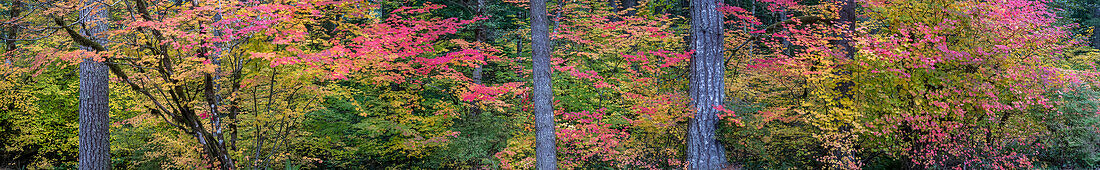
x=12, y=31
x=707, y=85
x=621, y=5
x=542, y=96
x=847, y=21
x=10, y=159
x=480, y=34
x=1094, y=41
x=624, y=4
x=94, y=120
x=215, y=139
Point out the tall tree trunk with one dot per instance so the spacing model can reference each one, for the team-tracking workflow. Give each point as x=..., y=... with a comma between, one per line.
x=12, y=31
x=848, y=21
x=479, y=34
x=1094, y=41
x=233, y=108
x=94, y=120
x=210, y=145
x=707, y=85
x=844, y=137
x=543, y=95
x=211, y=91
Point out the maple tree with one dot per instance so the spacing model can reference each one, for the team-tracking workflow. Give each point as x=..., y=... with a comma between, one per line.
x=407, y=84
x=978, y=122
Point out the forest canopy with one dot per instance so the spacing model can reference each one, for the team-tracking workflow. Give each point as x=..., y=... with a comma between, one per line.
x=549, y=84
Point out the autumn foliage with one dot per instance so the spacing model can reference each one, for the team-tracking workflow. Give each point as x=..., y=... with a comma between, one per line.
x=405, y=84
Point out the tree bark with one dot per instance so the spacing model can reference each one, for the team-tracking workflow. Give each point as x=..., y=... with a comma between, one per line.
x=94, y=118
x=621, y=5
x=481, y=36
x=543, y=95
x=626, y=4
x=12, y=31
x=211, y=91
x=707, y=85
x=847, y=21
x=1094, y=41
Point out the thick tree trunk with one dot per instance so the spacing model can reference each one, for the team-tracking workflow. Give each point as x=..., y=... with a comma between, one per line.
x=234, y=110
x=94, y=120
x=543, y=95
x=707, y=85
x=212, y=140
x=212, y=148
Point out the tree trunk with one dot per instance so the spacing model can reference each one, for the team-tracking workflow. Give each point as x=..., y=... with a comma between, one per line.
x=848, y=22
x=621, y=5
x=1094, y=41
x=12, y=32
x=707, y=85
x=212, y=140
x=480, y=35
x=233, y=109
x=844, y=154
x=543, y=95
x=211, y=91
x=94, y=120
x=625, y=4
x=212, y=148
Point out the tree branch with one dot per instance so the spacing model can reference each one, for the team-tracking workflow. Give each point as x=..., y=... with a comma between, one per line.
x=79, y=39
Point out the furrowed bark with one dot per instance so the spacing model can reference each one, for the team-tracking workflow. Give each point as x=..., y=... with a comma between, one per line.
x=94, y=130
x=707, y=86
x=545, y=151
